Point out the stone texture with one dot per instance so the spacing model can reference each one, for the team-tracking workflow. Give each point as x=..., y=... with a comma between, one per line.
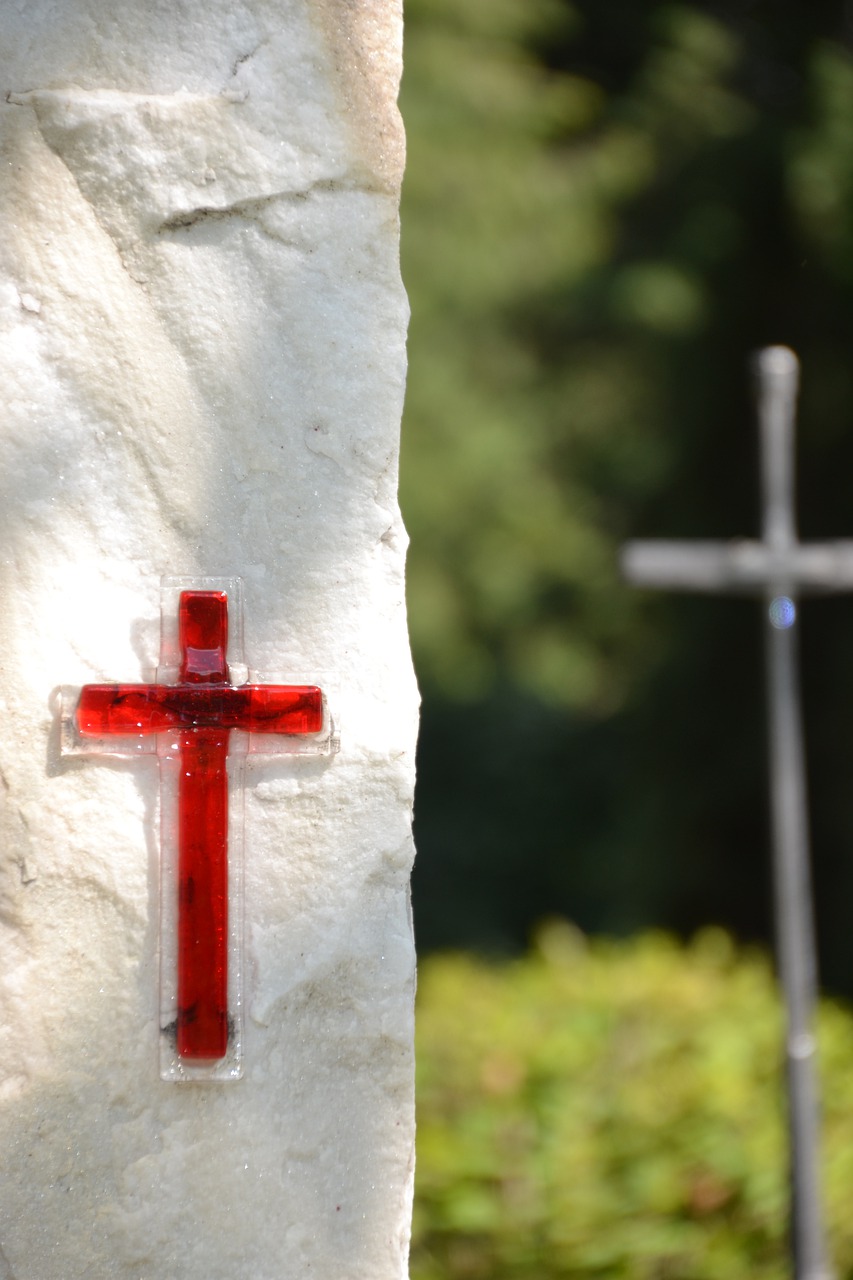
x=202, y=368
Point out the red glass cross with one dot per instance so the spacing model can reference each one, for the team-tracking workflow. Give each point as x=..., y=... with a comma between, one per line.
x=201, y=710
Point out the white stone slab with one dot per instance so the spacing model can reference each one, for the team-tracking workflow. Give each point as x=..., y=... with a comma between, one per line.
x=201, y=341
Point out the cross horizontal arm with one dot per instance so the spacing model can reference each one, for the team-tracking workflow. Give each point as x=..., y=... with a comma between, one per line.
x=739, y=566
x=146, y=708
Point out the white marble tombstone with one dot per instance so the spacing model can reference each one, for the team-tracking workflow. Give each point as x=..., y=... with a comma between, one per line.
x=201, y=341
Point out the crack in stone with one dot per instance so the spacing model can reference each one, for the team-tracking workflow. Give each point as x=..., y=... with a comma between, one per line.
x=249, y=208
x=30, y=97
x=247, y=57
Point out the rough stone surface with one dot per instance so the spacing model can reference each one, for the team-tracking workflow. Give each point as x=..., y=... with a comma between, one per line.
x=202, y=369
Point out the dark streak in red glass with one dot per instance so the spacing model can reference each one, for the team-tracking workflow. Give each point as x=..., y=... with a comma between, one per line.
x=203, y=707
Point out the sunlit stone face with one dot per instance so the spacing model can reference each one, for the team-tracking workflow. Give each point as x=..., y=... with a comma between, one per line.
x=202, y=359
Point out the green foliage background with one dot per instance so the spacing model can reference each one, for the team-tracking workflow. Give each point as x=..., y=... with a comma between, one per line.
x=609, y=205
x=614, y=1110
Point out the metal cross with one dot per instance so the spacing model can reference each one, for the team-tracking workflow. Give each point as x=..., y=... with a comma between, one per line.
x=778, y=569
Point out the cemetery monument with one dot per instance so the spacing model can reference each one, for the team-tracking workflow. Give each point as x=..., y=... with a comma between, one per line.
x=209, y=710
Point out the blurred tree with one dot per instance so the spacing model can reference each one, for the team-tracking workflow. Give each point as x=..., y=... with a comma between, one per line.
x=609, y=205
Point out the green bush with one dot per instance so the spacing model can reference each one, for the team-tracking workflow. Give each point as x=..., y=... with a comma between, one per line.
x=614, y=1110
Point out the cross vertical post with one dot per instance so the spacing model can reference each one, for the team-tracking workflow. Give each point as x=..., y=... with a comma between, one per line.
x=789, y=815
x=202, y=1030
x=777, y=569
